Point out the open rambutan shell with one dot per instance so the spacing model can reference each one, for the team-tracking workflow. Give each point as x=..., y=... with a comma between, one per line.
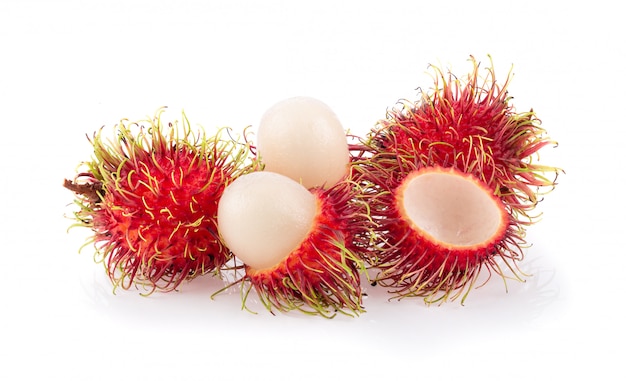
x=447, y=225
x=467, y=127
x=436, y=229
x=451, y=210
x=150, y=195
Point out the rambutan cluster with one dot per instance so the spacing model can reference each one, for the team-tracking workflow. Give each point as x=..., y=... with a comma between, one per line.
x=439, y=190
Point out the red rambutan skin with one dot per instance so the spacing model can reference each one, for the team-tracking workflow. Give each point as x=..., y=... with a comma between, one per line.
x=154, y=210
x=419, y=265
x=469, y=127
x=322, y=275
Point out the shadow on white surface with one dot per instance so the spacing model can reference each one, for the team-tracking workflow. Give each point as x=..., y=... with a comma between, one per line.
x=488, y=309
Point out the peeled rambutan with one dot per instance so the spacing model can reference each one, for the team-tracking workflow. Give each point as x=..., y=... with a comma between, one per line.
x=150, y=196
x=463, y=136
x=302, y=138
x=299, y=247
x=297, y=226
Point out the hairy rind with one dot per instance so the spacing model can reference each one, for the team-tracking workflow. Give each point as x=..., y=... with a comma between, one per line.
x=501, y=152
x=443, y=129
x=148, y=146
x=410, y=265
x=322, y=276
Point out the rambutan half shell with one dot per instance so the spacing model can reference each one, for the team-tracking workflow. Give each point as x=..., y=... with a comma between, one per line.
x=436, y=229
x=150, y=195
x=466, y=126
x=320, y=273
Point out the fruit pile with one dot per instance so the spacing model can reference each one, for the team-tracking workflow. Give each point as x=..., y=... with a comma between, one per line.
x=440, y=190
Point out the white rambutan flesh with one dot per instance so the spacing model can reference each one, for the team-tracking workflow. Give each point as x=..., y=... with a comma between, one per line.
x=451, y=208
x=264, y=216
x=303, y=139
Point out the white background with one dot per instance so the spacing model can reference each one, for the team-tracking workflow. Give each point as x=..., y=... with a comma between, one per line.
x=69, y=67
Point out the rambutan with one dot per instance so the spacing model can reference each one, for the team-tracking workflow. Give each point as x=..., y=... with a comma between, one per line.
x=298, y=226
x=299, y=247
x=150, y=196
x=473, y=147
x=302, y=138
